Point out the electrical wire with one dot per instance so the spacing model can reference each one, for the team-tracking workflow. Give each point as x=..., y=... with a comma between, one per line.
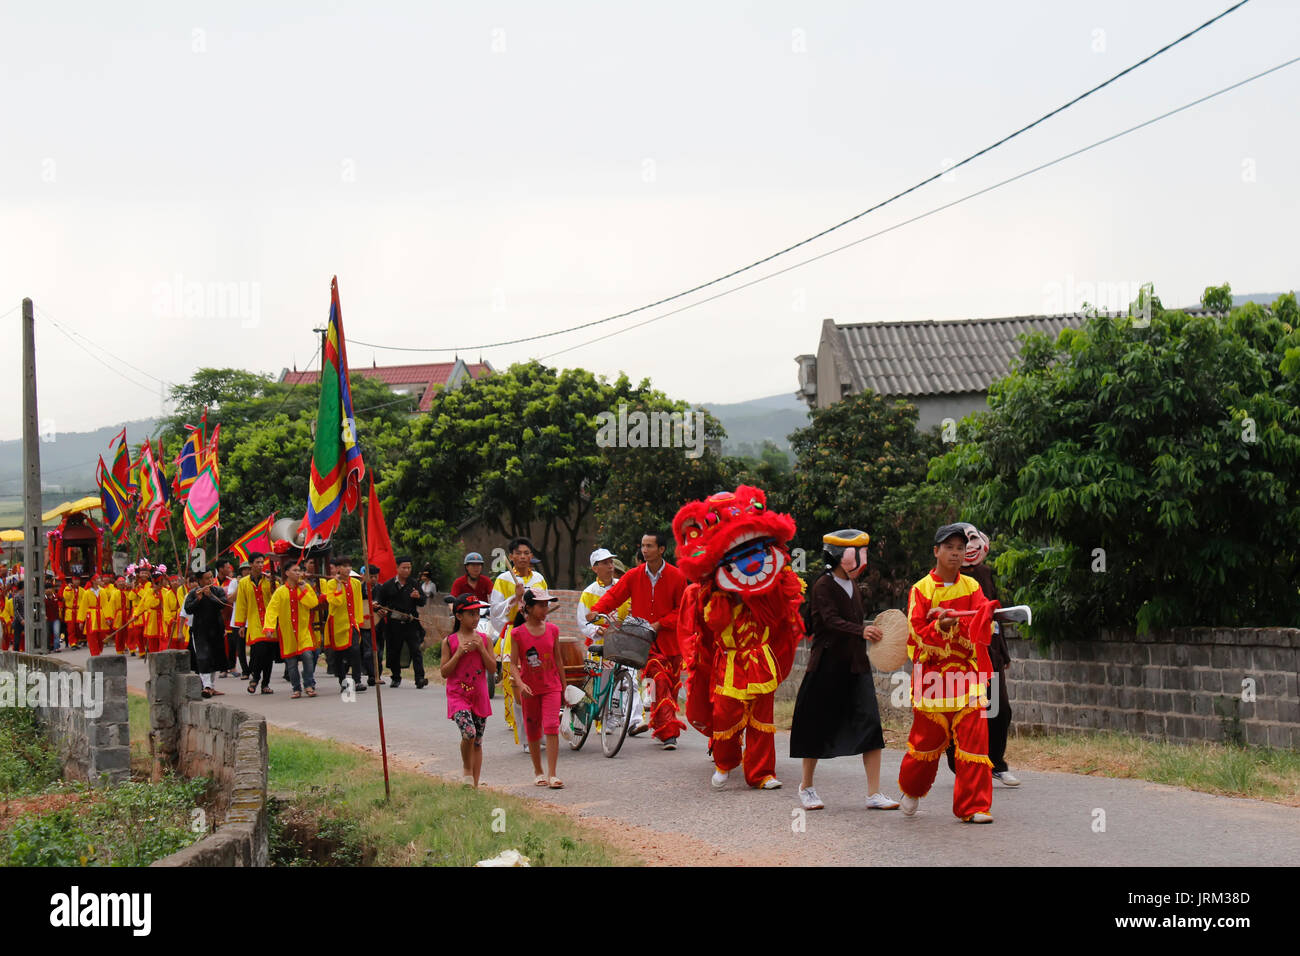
x=839, y=225
x=72, y=331
x=937, y=209
x=148, y=388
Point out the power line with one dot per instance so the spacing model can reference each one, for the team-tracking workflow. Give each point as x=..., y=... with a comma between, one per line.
x=839, y=225
x=118, y=358
x=937, y=209
x=147, y=388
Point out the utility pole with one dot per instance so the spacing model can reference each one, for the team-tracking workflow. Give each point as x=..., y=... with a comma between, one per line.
x=33, y=531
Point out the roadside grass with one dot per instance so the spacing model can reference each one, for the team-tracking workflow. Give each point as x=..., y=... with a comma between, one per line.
x=429, y=822
x=1258, y=772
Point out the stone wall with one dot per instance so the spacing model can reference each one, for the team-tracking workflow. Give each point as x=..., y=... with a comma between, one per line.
x=203, y=738
x=92, y=748
x=1184, y=685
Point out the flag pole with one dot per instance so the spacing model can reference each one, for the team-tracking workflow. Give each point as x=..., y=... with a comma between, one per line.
x=374, y=637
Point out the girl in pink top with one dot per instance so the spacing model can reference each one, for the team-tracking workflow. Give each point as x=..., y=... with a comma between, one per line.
x=535, y=655
x=466, y=661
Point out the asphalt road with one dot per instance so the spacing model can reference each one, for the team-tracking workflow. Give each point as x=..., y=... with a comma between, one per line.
x=1053, y=819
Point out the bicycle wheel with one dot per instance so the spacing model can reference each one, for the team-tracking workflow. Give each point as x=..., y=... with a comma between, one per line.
x=585, y=714
x=616, y=713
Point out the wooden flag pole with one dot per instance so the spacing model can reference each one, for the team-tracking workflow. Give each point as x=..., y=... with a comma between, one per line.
x=374, y=637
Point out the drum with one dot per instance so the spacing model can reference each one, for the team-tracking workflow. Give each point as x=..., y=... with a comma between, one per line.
x=630, y=643
x=573, y=654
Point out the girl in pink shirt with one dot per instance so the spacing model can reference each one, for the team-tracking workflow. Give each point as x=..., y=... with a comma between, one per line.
x=535, y=653
x=466, y=662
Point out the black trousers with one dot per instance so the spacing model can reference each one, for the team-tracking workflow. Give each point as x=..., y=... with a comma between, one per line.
x=263, y=654
x=349, y=661
x=408, y=635
x=235, y=641
x=367, y=667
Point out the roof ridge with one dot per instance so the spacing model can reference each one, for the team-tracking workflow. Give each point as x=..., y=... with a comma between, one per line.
x=971, y=320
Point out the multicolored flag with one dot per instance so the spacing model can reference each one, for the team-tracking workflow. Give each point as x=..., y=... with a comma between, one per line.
x=113, y=497
x=122, y=464
x=256, y=540
x=187, y=462
x=336, y=465
x=203, y=503
x=153, y=510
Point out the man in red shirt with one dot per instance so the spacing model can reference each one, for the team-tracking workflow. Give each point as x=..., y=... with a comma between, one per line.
x=655, y=588
x=473, y=581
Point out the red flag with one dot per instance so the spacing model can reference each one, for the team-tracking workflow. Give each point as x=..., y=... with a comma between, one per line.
x=381, y=549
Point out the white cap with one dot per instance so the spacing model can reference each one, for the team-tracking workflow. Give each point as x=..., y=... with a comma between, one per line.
x=600, y=554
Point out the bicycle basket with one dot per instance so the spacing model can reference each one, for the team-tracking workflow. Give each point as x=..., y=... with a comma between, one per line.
x=630, y=643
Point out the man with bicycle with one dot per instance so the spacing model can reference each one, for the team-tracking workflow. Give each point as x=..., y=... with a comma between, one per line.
x=602, y=562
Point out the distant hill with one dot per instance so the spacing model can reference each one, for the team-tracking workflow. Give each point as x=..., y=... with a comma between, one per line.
x=749, y=424
x=67, y=461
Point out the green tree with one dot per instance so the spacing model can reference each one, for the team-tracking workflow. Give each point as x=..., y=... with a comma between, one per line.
x=1217, y=298
x=862, y=463
x=1143, y=476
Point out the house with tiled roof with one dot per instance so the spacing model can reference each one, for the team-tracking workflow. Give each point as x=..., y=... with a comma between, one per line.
x=419, y=380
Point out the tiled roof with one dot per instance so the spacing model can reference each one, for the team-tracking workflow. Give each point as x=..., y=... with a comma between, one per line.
x=425, y=377
x=938, y=357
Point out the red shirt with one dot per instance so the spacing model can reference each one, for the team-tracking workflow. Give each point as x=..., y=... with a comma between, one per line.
x=482, y=588
x=657, y=604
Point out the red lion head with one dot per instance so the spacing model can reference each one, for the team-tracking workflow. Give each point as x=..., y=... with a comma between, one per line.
x=732, y=538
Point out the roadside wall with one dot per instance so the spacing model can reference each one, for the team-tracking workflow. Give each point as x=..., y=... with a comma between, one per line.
x=202, y=738
x=92, y=748
x=1185, y=685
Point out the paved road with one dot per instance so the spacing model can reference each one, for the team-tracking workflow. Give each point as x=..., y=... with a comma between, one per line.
x=1049, y=820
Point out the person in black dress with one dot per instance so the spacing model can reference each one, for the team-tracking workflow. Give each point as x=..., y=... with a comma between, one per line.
x=208, y=607
x=836, y=713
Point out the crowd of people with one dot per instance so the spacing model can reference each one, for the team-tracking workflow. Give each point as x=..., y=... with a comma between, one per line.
x=240, y=622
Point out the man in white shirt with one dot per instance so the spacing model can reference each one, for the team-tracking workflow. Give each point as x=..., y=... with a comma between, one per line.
x=602, y=562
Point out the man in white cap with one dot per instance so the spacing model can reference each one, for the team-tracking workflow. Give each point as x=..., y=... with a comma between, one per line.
x=602, y=562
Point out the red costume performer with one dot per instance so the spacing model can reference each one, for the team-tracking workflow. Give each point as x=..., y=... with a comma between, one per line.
x=950, y=668
x=742, y=616
x=658, y=602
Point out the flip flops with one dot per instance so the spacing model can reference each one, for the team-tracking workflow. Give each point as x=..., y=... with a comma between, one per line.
x=556, y=783
x=540, y=780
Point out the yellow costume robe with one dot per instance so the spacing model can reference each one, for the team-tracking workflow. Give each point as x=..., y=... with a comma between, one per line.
x=251, y=603
x=345, y=615
x=288, y=616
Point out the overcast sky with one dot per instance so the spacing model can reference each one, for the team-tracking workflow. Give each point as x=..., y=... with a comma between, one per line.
x=479, y=172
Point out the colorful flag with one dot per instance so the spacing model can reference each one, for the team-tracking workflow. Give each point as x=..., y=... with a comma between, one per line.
x=256, y=540
x=153, y=511
x=210, y=452
x=122, y=464
x=377, y=543
x=336, y=465
x=113, y=498
x=202, y=504
x=187, y=463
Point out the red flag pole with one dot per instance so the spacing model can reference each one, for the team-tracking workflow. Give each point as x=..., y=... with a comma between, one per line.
x=374, y=636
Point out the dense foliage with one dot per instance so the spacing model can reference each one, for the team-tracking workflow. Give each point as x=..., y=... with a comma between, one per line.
x=1144, y=476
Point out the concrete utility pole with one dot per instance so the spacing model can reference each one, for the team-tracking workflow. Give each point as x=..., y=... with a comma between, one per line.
x=33, y=531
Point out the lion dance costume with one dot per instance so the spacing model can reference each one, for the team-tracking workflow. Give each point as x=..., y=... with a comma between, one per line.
x=740, y=617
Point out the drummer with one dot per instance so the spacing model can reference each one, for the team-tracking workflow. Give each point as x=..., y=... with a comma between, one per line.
x=602, y=562
x=836, y=713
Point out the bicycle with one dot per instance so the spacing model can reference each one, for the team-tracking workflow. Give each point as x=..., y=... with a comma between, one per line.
x=607, y=701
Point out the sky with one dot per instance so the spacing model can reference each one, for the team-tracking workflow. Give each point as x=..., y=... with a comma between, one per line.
x=178, y=183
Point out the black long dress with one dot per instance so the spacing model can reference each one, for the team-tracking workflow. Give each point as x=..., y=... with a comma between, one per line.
x=836, y=713
x=208, y=629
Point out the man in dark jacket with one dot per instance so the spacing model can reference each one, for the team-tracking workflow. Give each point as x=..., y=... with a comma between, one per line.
x=402, y=599
x=209, y=609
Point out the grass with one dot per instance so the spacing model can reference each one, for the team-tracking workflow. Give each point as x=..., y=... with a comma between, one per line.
x=1257, y=772
x=429, y=821
x=28, y=764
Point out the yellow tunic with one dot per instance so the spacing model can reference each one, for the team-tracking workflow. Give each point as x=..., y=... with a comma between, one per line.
x=342, y=620
x=288, y=616
x=71, y=601
x=148, y=610
x=110, y=606
x=247, y=613
x=170, y=611
x=90, y=610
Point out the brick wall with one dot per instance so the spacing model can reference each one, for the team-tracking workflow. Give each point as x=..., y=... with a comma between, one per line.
x=202, y=738
x=94, y=749
x=1182, y=685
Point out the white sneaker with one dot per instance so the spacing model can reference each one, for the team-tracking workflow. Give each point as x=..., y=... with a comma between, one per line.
x=719, y=779
x=1007, y=778
x=878, y=801
x=910, y=804
x=771, y=783
x=808, y=797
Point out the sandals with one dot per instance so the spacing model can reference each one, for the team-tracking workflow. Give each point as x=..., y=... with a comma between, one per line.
x=295, y=695
x=207, y=692
x=218, y=693
x=556, y=783
x=252, y=687
x=540, y=780
x=267, y=690
x=311, y=691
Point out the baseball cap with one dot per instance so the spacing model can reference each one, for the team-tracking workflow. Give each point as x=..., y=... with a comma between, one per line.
x=537, y=596
x=950, y=531
x=466, y=602
x=600, y=554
